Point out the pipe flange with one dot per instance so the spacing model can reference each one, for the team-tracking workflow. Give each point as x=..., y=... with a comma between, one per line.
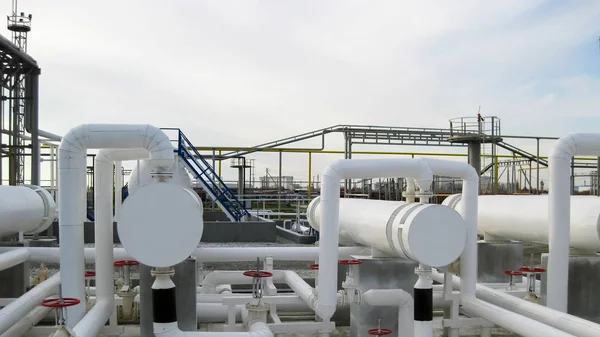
x=161, y=271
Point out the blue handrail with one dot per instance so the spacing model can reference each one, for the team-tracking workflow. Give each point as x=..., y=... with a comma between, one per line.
x=213, y=184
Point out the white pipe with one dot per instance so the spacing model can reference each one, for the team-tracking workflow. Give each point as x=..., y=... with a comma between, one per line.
x=232, y=254
x=72, y=185
x=218, y=277
x=394, y=297
x=13, y=258
x=301, y=288
x=118, y=187
x=511, y=321
x=470, y=191
x=258, y=329
x=27, y=322
x=565, y=322
x=330, y=197
x=25, y=208
x=90, y=325
x=525, y=218
x=49, y=135
x=16, y=310
x=559, y=163
x=410, y=190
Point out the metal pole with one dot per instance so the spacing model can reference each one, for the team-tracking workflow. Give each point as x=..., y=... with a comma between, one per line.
x=279, y=188
x=572, y=175
x=538, y=166
x=309, y=188
x=598, y=177
x=530, y=183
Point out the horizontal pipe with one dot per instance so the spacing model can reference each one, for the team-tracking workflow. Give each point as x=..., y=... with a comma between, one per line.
x=12, y=313
x=509, y=320
x=13, y=258
x=232, y=254
x=565, y=322
x=398, y=298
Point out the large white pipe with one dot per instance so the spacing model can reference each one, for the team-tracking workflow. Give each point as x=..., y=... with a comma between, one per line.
x=525, y=218
x=13, y=258
x=559, y=163
x=330, y=197
x=72, y=163
x=394, y=297
x=398, y=229
x=470, y=191
x=570, y=324
x=95, y=319
x=258, y=329
x=25, y=208
x=511, y=321
x=16, y=310
x=27, y=322
x=209, y=254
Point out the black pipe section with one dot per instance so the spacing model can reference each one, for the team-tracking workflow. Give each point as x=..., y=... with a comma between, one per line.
x=164, y=305
x=423, y=308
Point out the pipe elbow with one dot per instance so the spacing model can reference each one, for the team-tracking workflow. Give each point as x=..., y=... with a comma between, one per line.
x=333, y=170
x=424, y=176
x=72, y=140
x=160, y=148
x=564, y=148
x=324, y=311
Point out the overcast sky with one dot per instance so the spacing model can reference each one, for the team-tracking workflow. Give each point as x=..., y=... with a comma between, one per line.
x=246, y=72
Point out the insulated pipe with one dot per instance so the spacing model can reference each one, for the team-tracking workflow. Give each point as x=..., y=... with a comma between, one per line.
x=27, y=322
x=25, y=208
x=218, y=277
x=95, y=319
x=72, y=162
x=569, y=324
x=511, y=321
x=394, y=297
x=525, y=218
x=16, y=310
x=330, y=197
x=233, y=254
x=559, y=163
x=470, y=191
x=13, y=258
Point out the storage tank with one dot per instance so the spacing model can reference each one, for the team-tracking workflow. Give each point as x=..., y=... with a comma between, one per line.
x=396, y=228
x=25, y=208
x=525, y=218
x=180, y=176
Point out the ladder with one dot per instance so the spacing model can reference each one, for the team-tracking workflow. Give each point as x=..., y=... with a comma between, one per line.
x=211, y=183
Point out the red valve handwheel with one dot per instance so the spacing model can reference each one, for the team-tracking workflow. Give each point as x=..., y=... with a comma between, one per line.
x=126, y=263
x=90, y=273
x=379, y=332
x=60, y=303
x=532, y=270
x=258, y=273
x=513, y=273
x=314, y=266
x=349, y=261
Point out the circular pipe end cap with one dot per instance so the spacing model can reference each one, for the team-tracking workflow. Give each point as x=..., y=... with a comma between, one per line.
x=161, y=224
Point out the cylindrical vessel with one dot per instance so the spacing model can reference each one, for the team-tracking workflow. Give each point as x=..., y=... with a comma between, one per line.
x=143, y=177
x=525, y=218
x=407, y=230
x=25, y=208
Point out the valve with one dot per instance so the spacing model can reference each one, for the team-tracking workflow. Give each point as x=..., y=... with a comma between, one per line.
x=379, y=331
x=511, y=274
x=126, y=273
x=59, y=303
x=126, y=311
x=89, y=274
x=349, y=284
x=531, y=273
x=258, y=277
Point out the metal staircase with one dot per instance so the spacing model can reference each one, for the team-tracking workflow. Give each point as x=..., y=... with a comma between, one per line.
x=210, y=181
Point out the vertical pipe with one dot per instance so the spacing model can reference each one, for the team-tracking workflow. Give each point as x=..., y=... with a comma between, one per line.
x=52, y=159
x=598, y=177
x=309, y=189
x=423, y=304
x=33, y=129
x=118, y=187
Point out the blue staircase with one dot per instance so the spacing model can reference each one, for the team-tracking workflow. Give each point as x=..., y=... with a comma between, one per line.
x=202, y=171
